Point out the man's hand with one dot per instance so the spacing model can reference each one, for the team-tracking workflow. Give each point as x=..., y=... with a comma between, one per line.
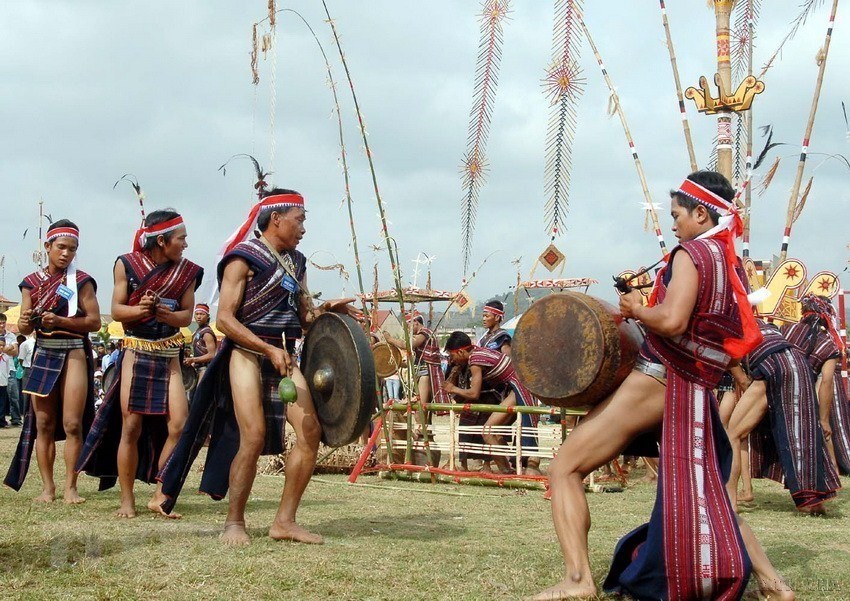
x=24, y=320
x=49, y=320
x=147, y=305
x=281, y=360
x=449, y=387
x=630, y=302
x=343, y=306
x=163, y=314
x=827, y=429
x=189, y=361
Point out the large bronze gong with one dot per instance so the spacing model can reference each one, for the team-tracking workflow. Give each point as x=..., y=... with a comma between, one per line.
x=573, y=350
x=337, y=363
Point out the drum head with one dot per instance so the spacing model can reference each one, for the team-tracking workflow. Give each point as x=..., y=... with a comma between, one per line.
x=337, y=363
x=387, y=359
x=572, y=349
x=109, y=375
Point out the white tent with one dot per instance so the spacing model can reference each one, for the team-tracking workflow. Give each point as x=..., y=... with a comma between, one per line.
x=510, y=325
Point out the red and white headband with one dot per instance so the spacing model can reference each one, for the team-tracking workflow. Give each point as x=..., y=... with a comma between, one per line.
x=60, y=232
x=152, y=231
x=269, y=203
x=202, y=308
x=494, y=311
x=730, y=216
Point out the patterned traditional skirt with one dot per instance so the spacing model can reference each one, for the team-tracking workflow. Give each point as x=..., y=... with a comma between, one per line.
x=48, y=361
x=788, y=446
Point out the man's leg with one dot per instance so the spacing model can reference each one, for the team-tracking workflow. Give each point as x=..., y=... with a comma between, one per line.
x=74, y=390
x=45, y=445
x=636, y=407
x=4, y=406
x=299, y=465
x=726, y=406
x=178, y=411
x=747, y=415
x=246, y=387
x=128, y=450
x=499, y=419
x=770, y=582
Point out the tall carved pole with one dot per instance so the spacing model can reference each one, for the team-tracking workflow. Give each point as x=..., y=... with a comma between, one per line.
x=722, y=15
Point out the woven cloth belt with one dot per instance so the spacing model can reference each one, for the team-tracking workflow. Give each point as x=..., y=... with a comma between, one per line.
x=61, y=343
x=653, y=370
x=166, y=347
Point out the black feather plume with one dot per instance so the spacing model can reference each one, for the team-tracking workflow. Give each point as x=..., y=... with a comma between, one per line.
x=25, y=234
x=766, y=130
x=846, y=123
x=134, y=181
x=49, y=218
x=261, y=185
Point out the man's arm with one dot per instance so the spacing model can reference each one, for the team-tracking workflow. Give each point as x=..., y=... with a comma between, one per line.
x=182, y=317
x=473, y=393
x=506, y=349
x=212, y=346
x=24, y=325
x=671, y=317
x=121, y=311
x=233, y=283
x=826, y=394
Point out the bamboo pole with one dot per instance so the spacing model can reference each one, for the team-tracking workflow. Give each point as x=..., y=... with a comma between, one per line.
x=722, y=14
x=685, y=125
x=615, y=98
x=483, y=408
x=801, y=165
x=404, y=473
x=392, y=254
x=842, y=317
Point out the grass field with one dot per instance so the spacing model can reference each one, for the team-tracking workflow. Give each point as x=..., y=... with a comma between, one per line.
x=388, y=540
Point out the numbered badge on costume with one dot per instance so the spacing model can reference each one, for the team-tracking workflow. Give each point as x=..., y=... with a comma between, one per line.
x=168, y=302
x=65, y=292
x=289, y=284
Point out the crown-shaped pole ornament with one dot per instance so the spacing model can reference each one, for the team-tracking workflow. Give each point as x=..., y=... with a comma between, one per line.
x=738, y=102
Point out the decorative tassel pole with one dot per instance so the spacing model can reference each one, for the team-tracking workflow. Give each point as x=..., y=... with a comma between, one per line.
x=685, y=125
x=822, y=56
x=474, y=165
x=745, y=29
x=563, y=87
x=617, y=107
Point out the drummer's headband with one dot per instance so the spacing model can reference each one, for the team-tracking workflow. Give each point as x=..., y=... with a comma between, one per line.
x=494, y=311
x=64, y=231
x=710, y=200
x=269, y=203
x=202, y=308
x=462, y=348
x=152, y=231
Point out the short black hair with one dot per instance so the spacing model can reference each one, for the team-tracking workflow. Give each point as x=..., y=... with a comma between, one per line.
x=420, y=319
x=712, y=181
x=62, y=223
x=2, y=317
x=159, y=217
x=265, y=216
x=457, y=340
x=21, y=339
x=496, y=304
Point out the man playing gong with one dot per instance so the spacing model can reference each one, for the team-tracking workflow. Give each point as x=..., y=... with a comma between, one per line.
x=426, y=358
x=698, y=321
x=264, y=307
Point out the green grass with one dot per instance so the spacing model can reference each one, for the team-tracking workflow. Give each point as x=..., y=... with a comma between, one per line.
x=400, y=541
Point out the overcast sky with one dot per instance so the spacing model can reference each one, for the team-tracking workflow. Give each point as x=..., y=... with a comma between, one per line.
x=94, y=89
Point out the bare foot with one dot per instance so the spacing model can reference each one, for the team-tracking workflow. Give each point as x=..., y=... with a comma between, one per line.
x=127, y=510
x=47, y=496
x=235, y=535
x=746, y=497
x=776, y=590
x=532, y=470
x=816, y=509
x=567, y=589
x=72, y=497
x=155, y=505
x=294, y=532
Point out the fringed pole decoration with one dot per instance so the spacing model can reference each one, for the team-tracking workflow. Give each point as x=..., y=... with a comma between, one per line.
x=563, y=87
x=474, y=164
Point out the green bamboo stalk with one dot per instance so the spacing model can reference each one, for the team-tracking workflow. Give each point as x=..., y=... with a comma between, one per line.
x=381, y=211
x=468, y=480
x=483, y=408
